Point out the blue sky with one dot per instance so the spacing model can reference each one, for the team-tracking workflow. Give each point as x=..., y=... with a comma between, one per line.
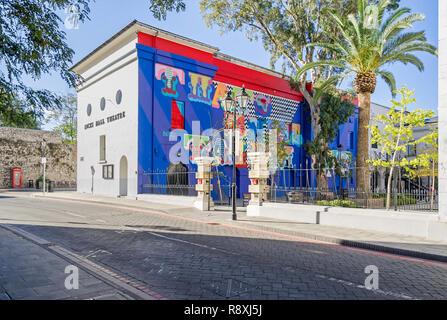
x=109, y=16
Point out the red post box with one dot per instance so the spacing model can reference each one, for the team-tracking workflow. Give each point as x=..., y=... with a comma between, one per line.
x=17, y=177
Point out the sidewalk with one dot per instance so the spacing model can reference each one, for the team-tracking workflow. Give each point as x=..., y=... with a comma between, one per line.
x=381, y=242
x=28, y=271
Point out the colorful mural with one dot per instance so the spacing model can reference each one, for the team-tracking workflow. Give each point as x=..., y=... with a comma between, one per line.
x=288, y=161
x=172, y=96
x=200, y=88
x=196, y=144
x=263, y=105
x=171, y=77
x=219, y=95
x=177, y=114
x=296, y=139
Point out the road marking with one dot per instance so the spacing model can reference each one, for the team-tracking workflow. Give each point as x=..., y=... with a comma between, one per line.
x=377, y=291
x=189, y=242
x=95, y=253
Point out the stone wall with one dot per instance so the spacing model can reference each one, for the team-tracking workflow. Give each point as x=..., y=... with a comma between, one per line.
x=22, y=148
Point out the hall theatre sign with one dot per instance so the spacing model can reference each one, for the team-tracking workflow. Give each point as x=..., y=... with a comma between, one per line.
x=101, y=122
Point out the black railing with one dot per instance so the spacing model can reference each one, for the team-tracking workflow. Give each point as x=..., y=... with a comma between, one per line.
x=302, y=186
x=164, y=183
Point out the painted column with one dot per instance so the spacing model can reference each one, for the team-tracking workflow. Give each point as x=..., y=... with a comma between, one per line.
x=442, y=110
x=258, y=176
x=204, y=201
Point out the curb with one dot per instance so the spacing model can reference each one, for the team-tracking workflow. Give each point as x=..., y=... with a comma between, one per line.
x=327, y=239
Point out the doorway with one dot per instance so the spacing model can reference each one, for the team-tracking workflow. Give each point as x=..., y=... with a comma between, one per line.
x=123, y=176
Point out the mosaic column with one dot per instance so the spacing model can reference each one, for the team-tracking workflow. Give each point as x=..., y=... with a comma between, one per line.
x=258, y=176
x=442, y=110
x=204, y=200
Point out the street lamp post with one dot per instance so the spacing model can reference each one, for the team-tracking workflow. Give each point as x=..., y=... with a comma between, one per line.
x=231, y=107
x=340, y=178
x=44, y=161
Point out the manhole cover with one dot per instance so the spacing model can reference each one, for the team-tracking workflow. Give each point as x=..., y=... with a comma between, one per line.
x=232, y=288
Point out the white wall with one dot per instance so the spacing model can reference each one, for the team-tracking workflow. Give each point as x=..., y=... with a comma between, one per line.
x=376, y=109
x=113, y=73
x=410, y=224
x=442, y=109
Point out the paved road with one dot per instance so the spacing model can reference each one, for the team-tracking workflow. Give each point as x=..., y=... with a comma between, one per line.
x=181, y=258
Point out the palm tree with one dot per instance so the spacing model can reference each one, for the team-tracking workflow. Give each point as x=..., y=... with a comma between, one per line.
x=369, y=43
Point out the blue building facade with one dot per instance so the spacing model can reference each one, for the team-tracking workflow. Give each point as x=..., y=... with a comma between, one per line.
x=181, y=115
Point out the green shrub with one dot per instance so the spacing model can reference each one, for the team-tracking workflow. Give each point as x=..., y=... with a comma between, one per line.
x=337, y=203
x=401, y=199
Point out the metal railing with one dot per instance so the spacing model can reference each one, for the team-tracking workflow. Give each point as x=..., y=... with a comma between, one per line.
x=164, y=183
x=301, y=186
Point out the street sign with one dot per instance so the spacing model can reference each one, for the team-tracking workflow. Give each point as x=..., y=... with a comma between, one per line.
x=44, y=160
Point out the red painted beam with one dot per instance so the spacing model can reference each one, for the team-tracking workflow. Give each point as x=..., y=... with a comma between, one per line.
x=228, y=72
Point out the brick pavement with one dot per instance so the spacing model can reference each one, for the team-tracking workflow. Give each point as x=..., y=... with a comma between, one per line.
x=379, y=241
x=181, y=256
x=30, y=272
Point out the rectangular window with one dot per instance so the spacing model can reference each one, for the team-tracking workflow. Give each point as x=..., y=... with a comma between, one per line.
x=374, y=145
x=351, y=140
x=107, y=172
x=177, y=114
x=412, y=150
x=102, y=148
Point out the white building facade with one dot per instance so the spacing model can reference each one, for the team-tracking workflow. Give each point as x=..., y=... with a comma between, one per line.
x=107, y=118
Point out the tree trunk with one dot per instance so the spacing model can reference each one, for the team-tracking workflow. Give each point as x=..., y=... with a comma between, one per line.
x=362, y=172
x=388, y=189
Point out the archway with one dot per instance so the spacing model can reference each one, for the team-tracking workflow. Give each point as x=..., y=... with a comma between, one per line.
x=123, y=176
x=177, y=179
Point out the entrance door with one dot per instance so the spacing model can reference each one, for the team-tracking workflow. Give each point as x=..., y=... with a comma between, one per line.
x=123, y=176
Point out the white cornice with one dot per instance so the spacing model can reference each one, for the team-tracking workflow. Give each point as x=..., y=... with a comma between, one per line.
x=128, y=34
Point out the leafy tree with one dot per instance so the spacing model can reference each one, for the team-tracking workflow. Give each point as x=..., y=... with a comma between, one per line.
x=33, y=43
x=427, y=160
x=16, y=115
x=65, y=119
x=286, y=28
x=336, y=108
x=160, y=8
x=369, y=42
x=397, y=136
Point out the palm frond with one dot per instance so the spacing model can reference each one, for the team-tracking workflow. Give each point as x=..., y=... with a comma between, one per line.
x=403, y=39
x=399, y=25
x=406, y=58
x=329, y=63
x=389, y=79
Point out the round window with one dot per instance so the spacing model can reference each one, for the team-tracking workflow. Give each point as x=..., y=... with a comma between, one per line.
x=119, y=97
x=103, y=104
x=89, y=110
